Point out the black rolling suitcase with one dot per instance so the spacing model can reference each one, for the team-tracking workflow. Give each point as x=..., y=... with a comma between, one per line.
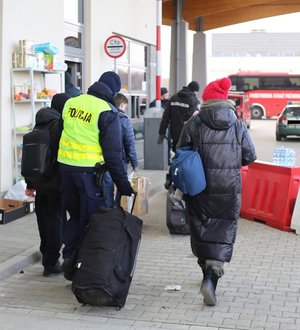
x=106, y=258
x=177, y=219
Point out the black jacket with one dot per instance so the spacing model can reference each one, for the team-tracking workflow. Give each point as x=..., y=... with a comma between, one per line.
x=52, y=118
x=180, y=108
x=163, y=103
x=224, y=146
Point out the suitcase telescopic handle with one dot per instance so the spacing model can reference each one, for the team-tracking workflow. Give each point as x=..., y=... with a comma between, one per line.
x=133, y=203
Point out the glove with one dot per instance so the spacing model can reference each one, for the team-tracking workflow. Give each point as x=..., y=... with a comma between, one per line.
x=126, y=189
x=160, y=139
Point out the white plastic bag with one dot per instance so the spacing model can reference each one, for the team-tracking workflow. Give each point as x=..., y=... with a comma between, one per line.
x=17, y=191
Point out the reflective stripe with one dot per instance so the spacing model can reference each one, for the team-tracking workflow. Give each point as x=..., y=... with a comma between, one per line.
x=179, y=104
x=75, y=155
x=78, y=146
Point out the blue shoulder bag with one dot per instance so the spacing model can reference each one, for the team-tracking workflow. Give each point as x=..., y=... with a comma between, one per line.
x=187, y=171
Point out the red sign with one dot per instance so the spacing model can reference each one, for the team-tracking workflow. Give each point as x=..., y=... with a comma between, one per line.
x=115, y=46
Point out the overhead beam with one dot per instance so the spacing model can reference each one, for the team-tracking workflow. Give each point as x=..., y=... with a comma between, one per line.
x=220, y=13
x=241, y=16
x=203, y=8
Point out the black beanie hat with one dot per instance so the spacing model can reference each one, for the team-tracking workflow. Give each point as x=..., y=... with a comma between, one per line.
x=58, y=101
x=163, y=91
x=112, y=80
x=194, y=86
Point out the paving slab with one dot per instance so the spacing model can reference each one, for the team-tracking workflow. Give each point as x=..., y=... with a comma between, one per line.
x=260, y=289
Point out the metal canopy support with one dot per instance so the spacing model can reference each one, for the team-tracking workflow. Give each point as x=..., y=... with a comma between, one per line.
x=199, y=69
x=178, y=61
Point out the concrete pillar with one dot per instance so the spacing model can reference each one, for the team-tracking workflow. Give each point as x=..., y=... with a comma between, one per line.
x=178, y=60
x=199, y=68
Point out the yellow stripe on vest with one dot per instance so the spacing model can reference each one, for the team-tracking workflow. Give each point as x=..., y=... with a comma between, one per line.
x=78, y=146
x=79, y=156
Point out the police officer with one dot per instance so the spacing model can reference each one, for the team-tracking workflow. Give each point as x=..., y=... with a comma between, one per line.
x=91, y=135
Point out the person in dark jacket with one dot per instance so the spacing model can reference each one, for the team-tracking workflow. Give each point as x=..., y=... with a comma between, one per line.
x=179, y=110
x=70, y=88
x=128, y=153
x=91, y=142
x=164, y=98
x=224, y=146
x=48, y=193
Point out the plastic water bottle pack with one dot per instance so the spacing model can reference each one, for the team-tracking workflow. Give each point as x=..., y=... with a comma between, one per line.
x=284, y=157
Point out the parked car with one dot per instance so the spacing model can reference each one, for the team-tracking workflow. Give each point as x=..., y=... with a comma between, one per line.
x=242, y=106
x=288, y=121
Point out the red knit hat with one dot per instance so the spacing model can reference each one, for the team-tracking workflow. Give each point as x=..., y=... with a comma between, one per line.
x=217, y=90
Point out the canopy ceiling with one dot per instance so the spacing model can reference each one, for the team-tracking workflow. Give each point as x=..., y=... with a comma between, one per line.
x=220, y=13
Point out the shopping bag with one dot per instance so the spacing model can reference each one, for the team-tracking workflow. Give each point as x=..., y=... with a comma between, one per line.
x=141, y=185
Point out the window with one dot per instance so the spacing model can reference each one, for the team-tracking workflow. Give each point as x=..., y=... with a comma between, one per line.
x=74, y=28
x=73, y=39
x=123, y=72
x=74, y=11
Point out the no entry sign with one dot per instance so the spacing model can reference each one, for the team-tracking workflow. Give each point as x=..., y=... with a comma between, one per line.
x=115, y=46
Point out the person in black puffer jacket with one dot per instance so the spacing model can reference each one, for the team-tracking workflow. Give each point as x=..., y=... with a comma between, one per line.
x=224, y=146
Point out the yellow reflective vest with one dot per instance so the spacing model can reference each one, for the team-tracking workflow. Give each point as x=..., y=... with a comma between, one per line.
x=79, y=142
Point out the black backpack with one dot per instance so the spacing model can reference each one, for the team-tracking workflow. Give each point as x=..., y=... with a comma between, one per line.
x=39, y=153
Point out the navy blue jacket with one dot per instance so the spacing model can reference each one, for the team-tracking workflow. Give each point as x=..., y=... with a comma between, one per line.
x=110, y=139
x=129, y=151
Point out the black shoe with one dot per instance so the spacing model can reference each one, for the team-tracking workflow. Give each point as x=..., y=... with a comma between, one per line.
x=68, y=269
x=168, y=182
x=52, y=270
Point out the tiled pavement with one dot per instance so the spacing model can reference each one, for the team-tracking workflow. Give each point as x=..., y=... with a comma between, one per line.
x=260, y=289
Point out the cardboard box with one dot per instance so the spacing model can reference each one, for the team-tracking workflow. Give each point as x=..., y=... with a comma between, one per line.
x=11, y=209
x=51, y=62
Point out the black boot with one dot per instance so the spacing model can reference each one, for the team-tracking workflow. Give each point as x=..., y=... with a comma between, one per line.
x=208, y=287
x=201, y=264
x=168, y=182
x=68, y=269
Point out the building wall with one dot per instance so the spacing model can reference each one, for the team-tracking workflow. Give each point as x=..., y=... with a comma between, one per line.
x=134, y=19
x=43, y=21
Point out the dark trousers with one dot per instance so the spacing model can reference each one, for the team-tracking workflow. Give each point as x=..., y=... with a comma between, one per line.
x=81, y=197
x=112, y=199
x=49, y=218
x=108, y=189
